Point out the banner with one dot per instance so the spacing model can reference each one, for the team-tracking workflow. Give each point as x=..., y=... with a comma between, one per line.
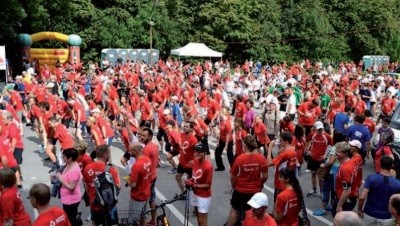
x=3, y=65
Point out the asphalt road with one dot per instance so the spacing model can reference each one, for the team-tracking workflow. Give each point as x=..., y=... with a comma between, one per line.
x=35, y=169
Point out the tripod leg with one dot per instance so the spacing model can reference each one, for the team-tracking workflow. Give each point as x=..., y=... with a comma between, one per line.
x=187, y=207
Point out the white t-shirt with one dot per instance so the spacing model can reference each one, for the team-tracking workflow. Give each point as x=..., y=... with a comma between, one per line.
x=292, y=102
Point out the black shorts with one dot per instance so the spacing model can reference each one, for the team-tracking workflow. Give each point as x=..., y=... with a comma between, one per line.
x=239, y=200
x=112, y=117
x=18, y=155
x=160, y=134
x=99, y=217
x=207, y=121
x=66, y=122
x=183, y=170
x=313, y=165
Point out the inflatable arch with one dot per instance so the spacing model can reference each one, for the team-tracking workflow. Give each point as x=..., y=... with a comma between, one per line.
x=50, y=56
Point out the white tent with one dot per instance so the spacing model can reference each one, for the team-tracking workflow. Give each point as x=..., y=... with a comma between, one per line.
x=195, y=50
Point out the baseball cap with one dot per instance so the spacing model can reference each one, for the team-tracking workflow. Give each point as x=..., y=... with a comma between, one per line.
x=96, y=110
x=355, y=143
x=258, y=200
x=166, y=111
x=199, y=148
x=318, y=125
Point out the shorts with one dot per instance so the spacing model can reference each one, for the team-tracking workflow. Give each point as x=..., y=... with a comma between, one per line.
x=183, y=170
x=239, y=200
x=202, y=204
x=153, y=190
x=99, y=217
x=313, y=165
x=136, y=209
x=160, y=134
x=18, y=155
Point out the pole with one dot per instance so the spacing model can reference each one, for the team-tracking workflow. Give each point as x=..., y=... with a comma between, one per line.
x=151, y=42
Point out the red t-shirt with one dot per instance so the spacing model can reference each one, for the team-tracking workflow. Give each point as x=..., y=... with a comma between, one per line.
x=63, y=109
x=83, y=161
x=188, y=143
x=6, y=152
x=174, y=138
x=102, y=122
x=11, y=207
x=202, y=173
x=151, y=150
x=370, y=124
x=299, y=147
x=140, y=174
x=40, y=93
x=146, y=110
x=77, y=107
x=203, y=99
x=200, y=128
x=36, y=112
x=95, y=130
x=16, y=101
x=239, y=136
x=248, y=169
x=385, y=150
x=64, y=137
x=226, y=129
x=113, y=108
x=260, y=130
x=89, y=174
x=388, y=104
x=346, y=173
x=54, y=217
x=251, y=220
x=360, y=107
x=357, y=159
x=288, y=203
x=309, y=119
x=240, y=110
x=213, y=107
x=125, y=138
x=286, y=158
x=14, y=132
x=319, y=143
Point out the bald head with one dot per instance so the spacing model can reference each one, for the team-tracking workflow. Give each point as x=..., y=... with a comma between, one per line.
x=135, y=149
x=347, y=218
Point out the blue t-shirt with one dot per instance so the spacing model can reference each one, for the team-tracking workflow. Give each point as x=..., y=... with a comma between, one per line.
x=359, y=132
x=379, y=194
x=176, y=114
x=341, y=119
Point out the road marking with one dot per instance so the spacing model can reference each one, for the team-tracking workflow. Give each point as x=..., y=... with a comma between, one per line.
x=309, y=212
x=172, y=208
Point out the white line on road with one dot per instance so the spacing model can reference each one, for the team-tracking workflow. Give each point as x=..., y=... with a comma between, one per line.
x=172, y=208
x=309, y=212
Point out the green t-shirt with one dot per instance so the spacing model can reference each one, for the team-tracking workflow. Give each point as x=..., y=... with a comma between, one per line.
x=325, y=99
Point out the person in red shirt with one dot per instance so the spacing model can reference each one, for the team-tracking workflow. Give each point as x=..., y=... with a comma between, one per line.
x=212, y=110
x=16, y=141
x=388, y=105
x=163, y=116
x=12, y=210
x=258, y=215
x=105, y=128
x=286, y=124
x=317, y=143
x=200, y=183
x=261, y=134
x=63, y=111
x=225, y=141
x=307, y=113
x=83, y=158
x=139, y=182
x=240, y=134
x=355, y=147
x=369, y=121
x=59, y=133
x=360, y=106
x=186, y=154
x=150, y=150
x=240, y=107
x=7, y=159
x=201, y=131
x=299, y=143
x=287, y=157
x=146, y=110
x=288, y=202
x=39, y=197
x=174, y=140
x=248, y=174
x=346, y=191
x=79, y=116
x=90, y=172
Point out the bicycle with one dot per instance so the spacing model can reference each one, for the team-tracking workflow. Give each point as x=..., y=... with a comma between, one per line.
x=161, y=220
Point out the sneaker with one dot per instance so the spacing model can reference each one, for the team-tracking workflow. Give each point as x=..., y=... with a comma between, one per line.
x=319, y=212
x=307, y=171
x=328, y=208
x=172, y=171
x=312, y=193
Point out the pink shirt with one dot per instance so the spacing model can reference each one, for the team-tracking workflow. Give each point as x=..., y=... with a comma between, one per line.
x=70, y=197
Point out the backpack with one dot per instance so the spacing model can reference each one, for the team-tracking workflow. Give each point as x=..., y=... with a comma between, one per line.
x=396, y=161
x=106, y=190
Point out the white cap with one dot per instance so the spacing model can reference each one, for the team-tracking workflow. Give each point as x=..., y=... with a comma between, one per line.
x=96, y=110
x=50, y=85
x=166, y=111
x=355, y=143
x=258, y=200
x=319, y=125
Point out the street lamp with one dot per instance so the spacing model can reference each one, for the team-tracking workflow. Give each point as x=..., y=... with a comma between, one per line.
x=151, y=41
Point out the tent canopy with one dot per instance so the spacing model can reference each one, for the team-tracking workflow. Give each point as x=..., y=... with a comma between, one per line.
x=196, y=50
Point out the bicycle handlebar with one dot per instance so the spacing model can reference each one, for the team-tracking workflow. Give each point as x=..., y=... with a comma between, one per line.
x=166, y=202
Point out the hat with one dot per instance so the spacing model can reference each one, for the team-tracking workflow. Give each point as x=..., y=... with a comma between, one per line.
x=171, y=122
x=355, y=143
x=258, y=200
x=166, y=111
x=174, y=98
x=277, y=91
x=96, y=110
x=50, y=85
x=199, y=148
x=319, y=125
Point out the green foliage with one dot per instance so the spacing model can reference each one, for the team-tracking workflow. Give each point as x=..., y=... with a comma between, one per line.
x=280, y=30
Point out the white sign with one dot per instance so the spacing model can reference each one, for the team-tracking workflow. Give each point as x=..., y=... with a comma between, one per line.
x=3, y=65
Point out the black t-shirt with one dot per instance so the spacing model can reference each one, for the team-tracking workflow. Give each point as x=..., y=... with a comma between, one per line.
x=365, y=92
x=283, y=98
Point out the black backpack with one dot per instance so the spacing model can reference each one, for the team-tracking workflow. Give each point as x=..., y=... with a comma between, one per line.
x=106, y=190
x=396, y=161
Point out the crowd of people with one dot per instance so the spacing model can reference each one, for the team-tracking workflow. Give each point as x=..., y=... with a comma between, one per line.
x=280, y=116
